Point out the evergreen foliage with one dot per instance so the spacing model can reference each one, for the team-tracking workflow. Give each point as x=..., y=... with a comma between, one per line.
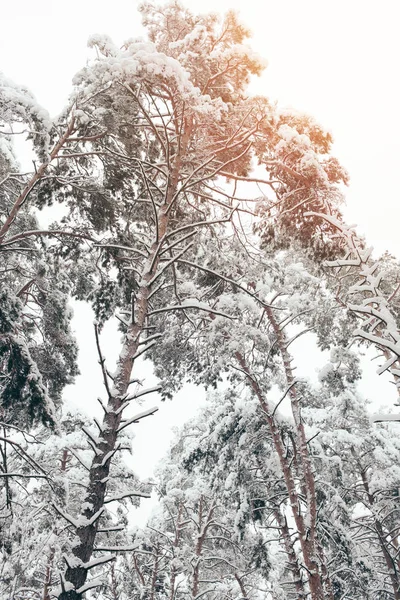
x=209, y=223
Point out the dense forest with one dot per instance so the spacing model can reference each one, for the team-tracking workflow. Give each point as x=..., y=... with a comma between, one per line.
x=209, y=223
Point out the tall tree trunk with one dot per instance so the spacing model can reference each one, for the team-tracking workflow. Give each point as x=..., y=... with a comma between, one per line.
x=293, y=562
x=48, y=572
x=310, y=557
x=64, y=460
x=154, y=574
x=308, y=483
x=175, y=546
x=392, y=568
x=204, y=522
x=106, y=443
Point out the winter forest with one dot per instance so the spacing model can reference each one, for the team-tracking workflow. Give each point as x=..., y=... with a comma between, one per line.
x=206, y=224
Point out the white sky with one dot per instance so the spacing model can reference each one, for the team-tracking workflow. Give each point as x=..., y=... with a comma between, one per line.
x=334, y=59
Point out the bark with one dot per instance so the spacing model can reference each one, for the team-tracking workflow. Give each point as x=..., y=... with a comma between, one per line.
x=203, y=526
x=154, y=573
x=389, y=561
x=114, y=584
x=175, y=546
x=317, y=554
x=138, y=571
x=241, y=585
x=310, y=557
x=49, y=569
x=65, y=458
x=293, y=562
x=77, y=572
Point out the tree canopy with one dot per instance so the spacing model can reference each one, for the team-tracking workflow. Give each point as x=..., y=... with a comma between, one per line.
x=209, y=222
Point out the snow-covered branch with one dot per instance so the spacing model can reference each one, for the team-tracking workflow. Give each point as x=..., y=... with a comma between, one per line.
x=139, y=416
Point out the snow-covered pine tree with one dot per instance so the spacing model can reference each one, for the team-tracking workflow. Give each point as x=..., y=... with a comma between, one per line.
x=191, y=547
x=35, y=540
x=306, y=212
x=175, y=117
x=138, y=158
x=270, y=299
x=230, y=448
x=37, y=350
x=359, y=508
x=266, y=298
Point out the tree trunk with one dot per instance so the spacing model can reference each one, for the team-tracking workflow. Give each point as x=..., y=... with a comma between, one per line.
x=390, y=562
x=106, y=445
x=293, y=562
x=310, y=558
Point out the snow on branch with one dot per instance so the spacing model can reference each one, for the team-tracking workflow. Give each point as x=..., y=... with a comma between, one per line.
x=294, y=383
x=134, y=494
x=74, y=561
x=92, y=583
x=102, y=360
x=31, y=461
x=121, y=247
x=42, y=233
x=373, y=309
x=71, y=520
x=295, y=337
x=85, y=522
x=103, y=406
x=143, y=350
x=25, y=476
x=199, y=224
x=155, y=336
x=117, y=548
x=78, y=458
x=108, y=456
x=191, y=304
x=227, y=279
x=170, y=262
x=384, y=417
x=156, y=388
x=136, y=418
x=177, y=242
x=109, y=529
x=92, y=441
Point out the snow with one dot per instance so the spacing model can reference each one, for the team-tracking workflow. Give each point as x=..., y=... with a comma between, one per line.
x=92, y=583
x=117, y=497
x=82, y=521
x=143, y=61
x=136, y=418
x=384, y=417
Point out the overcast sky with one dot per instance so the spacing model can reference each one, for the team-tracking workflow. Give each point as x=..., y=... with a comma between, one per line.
x=336, y=60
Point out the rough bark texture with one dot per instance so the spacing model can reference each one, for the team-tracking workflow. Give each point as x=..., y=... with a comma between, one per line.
x=293, y=563
x=106, y=445
x=307, y=541
x=391, y=565
x=204, y=522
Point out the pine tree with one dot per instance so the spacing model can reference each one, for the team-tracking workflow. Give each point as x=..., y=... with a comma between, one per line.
x=37, y=350
x=169, y=133
x=156, y=162
x=35, y=540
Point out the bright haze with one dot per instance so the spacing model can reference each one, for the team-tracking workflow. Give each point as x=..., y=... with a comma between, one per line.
x=337, y=61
